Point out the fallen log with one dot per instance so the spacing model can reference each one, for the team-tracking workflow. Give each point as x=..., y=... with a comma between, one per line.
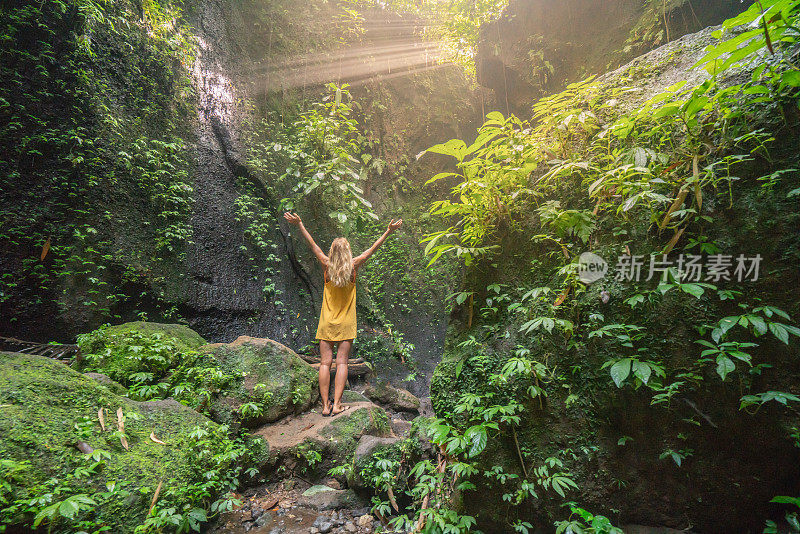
x=358, y=369
x=59, y=352
x=315, y=359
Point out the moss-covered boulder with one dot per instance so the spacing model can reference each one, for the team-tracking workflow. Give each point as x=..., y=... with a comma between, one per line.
x=398, y=398
x=124, y=350
x=350, y=396
x=272, y=381
x=345, y=431
x=48, y=410
x=104, y=380
x=315, y=443
x=368, y=449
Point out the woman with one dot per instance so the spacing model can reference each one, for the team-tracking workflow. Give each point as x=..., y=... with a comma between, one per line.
x=337, y=320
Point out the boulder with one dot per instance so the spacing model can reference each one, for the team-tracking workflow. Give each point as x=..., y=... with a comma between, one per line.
x=350, y=396
x=327, y=498
x=113, y=386
x=122, y=350
x=367, y=448
x=314, y=442
x=48, y=409
x=394, y=397
x=273, y=381
x=369, y=444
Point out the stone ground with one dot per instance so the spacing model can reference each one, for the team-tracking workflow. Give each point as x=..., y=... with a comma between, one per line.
x=281, y=508
x=295, y=505
x=293, y=430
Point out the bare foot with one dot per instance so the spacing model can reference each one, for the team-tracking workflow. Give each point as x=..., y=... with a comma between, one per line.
x=326, y=409
x=339, y=409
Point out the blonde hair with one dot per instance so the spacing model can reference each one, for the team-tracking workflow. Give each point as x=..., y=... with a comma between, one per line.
x=340, y=262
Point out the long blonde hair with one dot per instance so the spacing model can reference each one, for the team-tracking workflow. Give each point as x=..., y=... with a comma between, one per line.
x=340, y=262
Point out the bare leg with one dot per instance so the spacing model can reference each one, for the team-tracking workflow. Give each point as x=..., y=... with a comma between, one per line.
x=326, y=358
x=341, y=373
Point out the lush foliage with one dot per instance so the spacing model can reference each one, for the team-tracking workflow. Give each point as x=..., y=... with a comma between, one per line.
x=82, y=155
x=320, y=156
x=600, y=168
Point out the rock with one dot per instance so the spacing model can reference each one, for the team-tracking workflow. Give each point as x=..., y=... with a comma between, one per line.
x=313, y=490
x=397, y=398
x=332, y=499
x=367, y=446
x=41, y=400
x=639, y=529
x=323, y=524
x=350, y=527
x=365, y=520
x=108, y=350
x=401, y=427
x=353, y=396
x=113, y=386
x=272, y=376
x=311, y=435
x=333, y=483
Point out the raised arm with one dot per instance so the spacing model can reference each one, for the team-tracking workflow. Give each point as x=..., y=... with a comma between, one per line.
x=293, y=218
x=364, y=256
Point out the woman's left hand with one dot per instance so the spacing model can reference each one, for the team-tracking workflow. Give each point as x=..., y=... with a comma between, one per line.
x=395, y=224
x=292, y=218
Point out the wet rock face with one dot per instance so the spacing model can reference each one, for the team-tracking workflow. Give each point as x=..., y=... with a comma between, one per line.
x=223, y=292
x=538, y=46
x=272, y=376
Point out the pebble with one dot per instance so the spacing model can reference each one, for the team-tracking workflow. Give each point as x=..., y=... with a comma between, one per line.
x=263, y=519
x=323, y=524
x=350, y=527
x=365, y=520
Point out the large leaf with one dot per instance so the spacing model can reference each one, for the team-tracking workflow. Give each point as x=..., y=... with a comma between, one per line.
x=476, y=438
x=724, y=366
x=620, y=371
x=642, y=371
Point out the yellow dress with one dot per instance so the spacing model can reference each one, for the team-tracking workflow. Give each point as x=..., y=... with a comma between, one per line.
x=337, y=319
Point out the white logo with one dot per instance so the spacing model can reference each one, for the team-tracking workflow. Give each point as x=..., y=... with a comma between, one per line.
x=591, y=267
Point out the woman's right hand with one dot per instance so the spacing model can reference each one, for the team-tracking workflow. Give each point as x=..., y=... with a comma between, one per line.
x=395, y=224
x=292, y=218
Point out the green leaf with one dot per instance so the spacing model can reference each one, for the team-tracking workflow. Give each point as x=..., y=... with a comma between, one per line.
x=693, y=289
x=759, y=325
x=724, y=366
x=620, y=371
x=476, y=438
x=779, y=331
x=790, y=78
x=642, y=371
x=783, y=499
x=453, y=147
x=441, y=175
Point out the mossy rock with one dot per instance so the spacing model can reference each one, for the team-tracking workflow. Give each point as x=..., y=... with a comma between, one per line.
x=368, y=451
x=397, y=398
x=271, y=377
x=315, y=443
x=112, y=385
x=349, y=396
x=345, y=431
x=122, y=350
x=42, y=400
